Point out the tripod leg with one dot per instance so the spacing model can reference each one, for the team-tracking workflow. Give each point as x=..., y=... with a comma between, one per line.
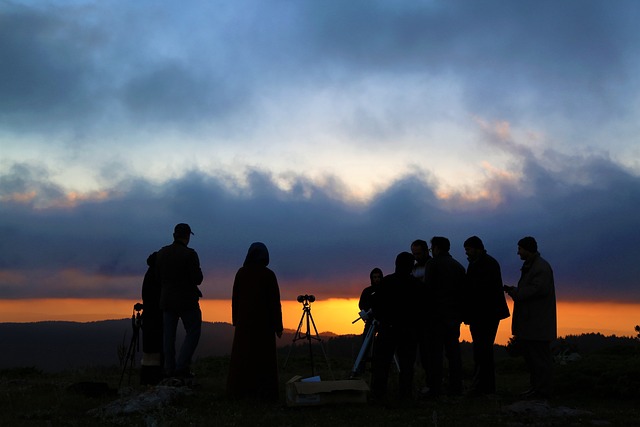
x=365, y=346
x=130, y=357
x=317, y=337
x=308, y=335
x=296, y=337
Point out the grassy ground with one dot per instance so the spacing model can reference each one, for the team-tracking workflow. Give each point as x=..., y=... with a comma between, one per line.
x=605, y=384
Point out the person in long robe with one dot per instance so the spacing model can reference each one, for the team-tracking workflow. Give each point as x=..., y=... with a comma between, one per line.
x=257, y=318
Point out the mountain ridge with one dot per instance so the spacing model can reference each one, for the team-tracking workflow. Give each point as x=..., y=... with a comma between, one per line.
x=56, y=345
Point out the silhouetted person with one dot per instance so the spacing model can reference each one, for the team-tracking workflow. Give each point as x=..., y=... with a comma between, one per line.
x=365, y=304
x=375, y=279
x=394, y=309
x=534, y=323
x=179, y=273
x=444, y=279
x=486, y=306
x=257, y=317
x=366, y=297
x=420, y=251
x=151, y=366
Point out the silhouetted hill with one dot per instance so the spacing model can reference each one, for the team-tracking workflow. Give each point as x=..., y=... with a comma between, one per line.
x=54, y=346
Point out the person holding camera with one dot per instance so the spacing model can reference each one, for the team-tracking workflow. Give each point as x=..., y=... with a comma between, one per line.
x=257, y=317
x=486, y=306
x=393, y=307
x=179, y=273
x=534, y=322
x=151, y=369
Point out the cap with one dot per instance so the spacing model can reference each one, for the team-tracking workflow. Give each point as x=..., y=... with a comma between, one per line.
x=182, y=229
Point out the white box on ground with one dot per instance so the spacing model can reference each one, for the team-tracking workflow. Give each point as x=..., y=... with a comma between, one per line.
x=311, y=391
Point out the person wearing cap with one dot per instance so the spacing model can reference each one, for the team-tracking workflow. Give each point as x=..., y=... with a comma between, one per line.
x=179, y=273
x=486, y=306
x=534, y=322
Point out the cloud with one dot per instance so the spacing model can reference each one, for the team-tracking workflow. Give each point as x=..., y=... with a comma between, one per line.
x=259, y=122
x=186, y=65
x=583, y=216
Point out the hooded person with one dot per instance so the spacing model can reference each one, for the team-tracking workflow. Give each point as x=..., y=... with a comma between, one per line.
x=257, y=318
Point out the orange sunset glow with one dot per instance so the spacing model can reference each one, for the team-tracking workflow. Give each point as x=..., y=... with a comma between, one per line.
x=331, y=315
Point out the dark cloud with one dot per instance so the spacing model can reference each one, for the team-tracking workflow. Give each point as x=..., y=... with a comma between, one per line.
x=72, y=65
x=587, y=229
x=571, y=58
x=46, y=68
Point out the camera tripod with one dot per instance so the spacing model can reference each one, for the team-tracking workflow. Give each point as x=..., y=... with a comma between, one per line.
x=307, y=319
x=134, y=345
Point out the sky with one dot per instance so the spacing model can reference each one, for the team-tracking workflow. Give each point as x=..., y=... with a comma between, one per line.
x=334, y=132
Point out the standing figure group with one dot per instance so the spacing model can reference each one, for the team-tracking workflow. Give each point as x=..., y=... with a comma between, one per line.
x=421, y=306
x=171, y=293
x=418, y=310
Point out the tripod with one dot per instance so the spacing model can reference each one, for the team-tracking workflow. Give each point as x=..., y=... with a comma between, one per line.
x=134, y=345
x=367, y=343
x=307, y=319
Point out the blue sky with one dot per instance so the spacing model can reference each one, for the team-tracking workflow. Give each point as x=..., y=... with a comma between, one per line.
x=335, y=132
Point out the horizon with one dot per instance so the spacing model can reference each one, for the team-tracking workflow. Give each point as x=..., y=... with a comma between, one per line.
x=330, y=316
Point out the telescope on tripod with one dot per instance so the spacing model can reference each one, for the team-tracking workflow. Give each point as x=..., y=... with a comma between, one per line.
x=371, y=329
x=307, y=319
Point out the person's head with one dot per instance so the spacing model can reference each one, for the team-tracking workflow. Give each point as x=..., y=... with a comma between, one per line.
x=376, y=276
x=420, y=251
x=182, y=232
x=440, y=245
x=404, y=263
x=527, y=248
x=473, y=247
x=258, y=254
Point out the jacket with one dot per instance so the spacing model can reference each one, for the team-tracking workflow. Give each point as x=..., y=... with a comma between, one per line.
x=485, y=299
x=178, y=269
x=534, y=302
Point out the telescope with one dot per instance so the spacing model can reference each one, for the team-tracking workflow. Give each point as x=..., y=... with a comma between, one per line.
x=364, y=315
x=304, y=299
